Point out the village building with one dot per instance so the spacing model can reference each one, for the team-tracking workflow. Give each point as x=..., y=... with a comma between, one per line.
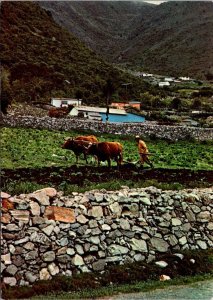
x=60, y=102
x=94, y=113
x=163, y=83
x=122, y=105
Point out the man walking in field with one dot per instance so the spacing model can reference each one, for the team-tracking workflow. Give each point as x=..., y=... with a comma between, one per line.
x=143, y=151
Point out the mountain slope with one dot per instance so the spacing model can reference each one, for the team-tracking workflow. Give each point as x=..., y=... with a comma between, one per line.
x=102, y=25
x=172, y=38
x=43, y=60
x=177, y=39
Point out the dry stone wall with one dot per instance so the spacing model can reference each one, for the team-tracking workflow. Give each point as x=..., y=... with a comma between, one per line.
x=46, y=233
x=145, y=129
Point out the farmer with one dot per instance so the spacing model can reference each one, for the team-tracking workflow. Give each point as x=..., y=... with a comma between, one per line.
x=143, y=151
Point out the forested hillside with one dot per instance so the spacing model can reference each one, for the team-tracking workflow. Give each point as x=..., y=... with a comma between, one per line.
x=40, y=59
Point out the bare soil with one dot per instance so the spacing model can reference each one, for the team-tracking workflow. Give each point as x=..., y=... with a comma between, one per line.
x=78, y=174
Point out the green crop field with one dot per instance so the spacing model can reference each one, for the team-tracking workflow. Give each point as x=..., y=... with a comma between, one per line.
x=21, y=147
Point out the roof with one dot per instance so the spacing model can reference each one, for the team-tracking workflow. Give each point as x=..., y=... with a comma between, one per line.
x=102, y=110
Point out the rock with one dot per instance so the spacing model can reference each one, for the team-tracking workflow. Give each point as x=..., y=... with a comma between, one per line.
x=79, y=249
x=139, y=257
x=70, y=251
x=48, y=230
x=202, y=244
x=41, y=197
x=50, y=192
x=116, y=209
x=30, y=277
x=159, y=244
x=138, y=245
x=38, y=237
x=106, y=227
x=94, y=240
x=99, y=265
x=4, y=195
x=124, y=224
x=164, y=278
x=63, y=242
x=12, y=227
x=176, y=222
x=77, y=260
x=35, y=208
x=5, y=218
x=195, y=208
x=96, y=212
x=63, y=258
x=31, y=255
x=172, y=240
x=145, y=201
x=10, y=280
x=18, y=260
x=44, y=274
x=190, y=215
x=210, y=226
x=6, y=258
x=49, y=256
x=62, y=214
x=99, y=197
x=38, y=220
x=22, y=241
x=81, y=219
x=183, y=240
x=117, y=250
x=93, y=224
x=29, y=246
x=161, y=263
x=21, y=215
x=7, y=205
x=53, y=269
x=204, y=216
x=181, y=256
x=11, y=269
x=12, y=249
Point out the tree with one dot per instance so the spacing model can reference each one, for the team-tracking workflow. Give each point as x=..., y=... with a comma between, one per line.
x=176, y=103
x=108, y=90
x=5, y=96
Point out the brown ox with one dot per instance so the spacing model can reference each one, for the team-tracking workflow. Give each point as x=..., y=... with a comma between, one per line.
x=78, y=147
x=89, y=138
x=105, y=151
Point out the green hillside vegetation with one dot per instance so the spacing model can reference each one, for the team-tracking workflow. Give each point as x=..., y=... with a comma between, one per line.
x=42, y=59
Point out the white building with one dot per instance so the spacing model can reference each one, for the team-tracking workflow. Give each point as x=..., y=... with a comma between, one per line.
x=163, y=83
x=60, y=102
x=169, y=79
x=185, y=78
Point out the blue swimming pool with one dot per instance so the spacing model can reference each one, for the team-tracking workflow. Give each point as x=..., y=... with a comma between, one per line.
x=123, y=118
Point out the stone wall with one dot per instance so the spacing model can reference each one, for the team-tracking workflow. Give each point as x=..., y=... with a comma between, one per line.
x=144, y=129
x=46, y=233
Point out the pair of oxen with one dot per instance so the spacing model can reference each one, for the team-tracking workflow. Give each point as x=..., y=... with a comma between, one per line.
x=89, y=145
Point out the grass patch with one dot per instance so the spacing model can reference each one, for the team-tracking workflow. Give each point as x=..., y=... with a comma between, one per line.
x=22, y=187
x=19, y=187
x=25, y=147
